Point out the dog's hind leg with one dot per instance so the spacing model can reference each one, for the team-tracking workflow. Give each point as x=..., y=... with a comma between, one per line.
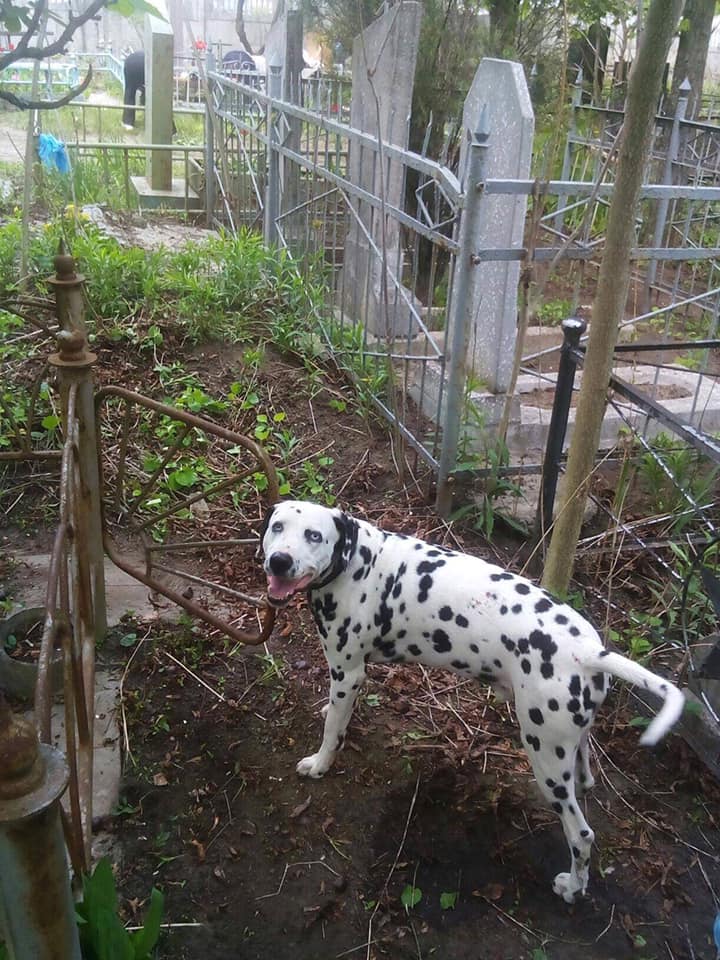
x=584, y=779
x=344, y=688
x=553, y=766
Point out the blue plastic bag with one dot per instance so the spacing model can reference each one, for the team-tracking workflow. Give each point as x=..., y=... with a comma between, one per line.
x=53, y=153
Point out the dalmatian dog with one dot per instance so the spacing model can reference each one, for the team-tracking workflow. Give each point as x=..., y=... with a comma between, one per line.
x=384, y=597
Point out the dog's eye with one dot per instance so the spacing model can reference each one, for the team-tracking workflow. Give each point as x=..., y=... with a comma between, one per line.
x=277, y=527
x=314, y=536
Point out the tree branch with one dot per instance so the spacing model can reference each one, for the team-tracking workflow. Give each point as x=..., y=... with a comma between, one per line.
x=22, y=104
x=23, y=52
x=30, y=31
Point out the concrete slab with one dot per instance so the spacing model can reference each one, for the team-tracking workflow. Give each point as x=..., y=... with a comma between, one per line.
x=172, y=199
x=680, y=391
x=123, y=593
x=106, y=746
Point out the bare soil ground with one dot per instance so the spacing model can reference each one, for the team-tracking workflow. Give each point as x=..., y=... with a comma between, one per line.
x=432, y=791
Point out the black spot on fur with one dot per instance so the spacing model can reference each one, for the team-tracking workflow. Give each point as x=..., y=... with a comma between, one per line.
x=553, y=705
x=561, y=619
x=560, y=752
x=425, y=586
x=496, y=577
x=342, y=634
x=517, y=608
x=543, y=605
x=561, y=793
x=475, y=648
x=598, y=681
x=445, y=613
x=525, y=664
x=574, y=632
x=536, y=716
x=414, y=649
x=461, y=621
x=547, y=670
x=460, y=665
x=533, y=741
x=441, y=642
x=575, y=686
x=523, y=588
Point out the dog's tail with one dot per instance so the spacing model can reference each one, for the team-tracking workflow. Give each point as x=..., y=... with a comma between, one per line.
x=632, y=672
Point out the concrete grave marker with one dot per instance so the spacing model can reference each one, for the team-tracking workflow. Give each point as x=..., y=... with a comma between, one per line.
x=383, y=71
x=500, y=87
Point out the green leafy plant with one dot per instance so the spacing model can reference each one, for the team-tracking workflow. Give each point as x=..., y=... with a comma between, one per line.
x=410, y=897
x=102, y=934
x=553, y=312
x=448, y=901
x=671, y=472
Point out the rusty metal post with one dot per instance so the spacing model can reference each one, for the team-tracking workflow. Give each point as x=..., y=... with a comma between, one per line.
x=37, y=913
x=74, y=364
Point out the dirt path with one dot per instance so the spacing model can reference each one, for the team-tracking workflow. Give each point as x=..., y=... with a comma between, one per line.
x=12, y=144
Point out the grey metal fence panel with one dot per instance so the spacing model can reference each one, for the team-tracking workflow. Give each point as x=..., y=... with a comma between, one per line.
x=399, y=364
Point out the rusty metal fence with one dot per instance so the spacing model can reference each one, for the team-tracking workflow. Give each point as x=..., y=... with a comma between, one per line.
x=108, y=506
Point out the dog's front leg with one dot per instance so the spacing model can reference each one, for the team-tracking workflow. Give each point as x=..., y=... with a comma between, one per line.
x=344, y=687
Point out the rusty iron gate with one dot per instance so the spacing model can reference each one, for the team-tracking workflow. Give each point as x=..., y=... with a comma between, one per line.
x=108, y=505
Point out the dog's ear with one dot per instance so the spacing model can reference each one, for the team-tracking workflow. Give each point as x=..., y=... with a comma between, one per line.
x=263, y=530
x=347, y=529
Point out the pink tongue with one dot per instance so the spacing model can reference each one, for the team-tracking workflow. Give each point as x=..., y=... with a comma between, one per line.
x=281, y=589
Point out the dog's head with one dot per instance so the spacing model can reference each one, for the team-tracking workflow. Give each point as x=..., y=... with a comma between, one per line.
x=304, y=545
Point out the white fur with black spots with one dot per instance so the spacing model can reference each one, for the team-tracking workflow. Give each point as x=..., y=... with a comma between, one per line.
x=386, y=597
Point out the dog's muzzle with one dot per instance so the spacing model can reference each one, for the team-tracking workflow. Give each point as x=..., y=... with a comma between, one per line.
x=280, y=587
x=280, y=563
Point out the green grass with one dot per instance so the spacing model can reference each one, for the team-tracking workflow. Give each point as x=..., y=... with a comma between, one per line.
x=227, y=287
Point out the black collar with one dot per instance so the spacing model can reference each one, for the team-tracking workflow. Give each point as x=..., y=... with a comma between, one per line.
x=343, y=551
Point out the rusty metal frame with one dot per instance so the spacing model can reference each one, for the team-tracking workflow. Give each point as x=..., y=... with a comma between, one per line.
x=69, y=626
x=263, y=463
x=74, y=601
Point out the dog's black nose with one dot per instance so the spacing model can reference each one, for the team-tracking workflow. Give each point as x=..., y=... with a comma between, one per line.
x=280, y=563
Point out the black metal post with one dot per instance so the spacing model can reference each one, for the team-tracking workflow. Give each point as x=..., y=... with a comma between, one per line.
x=573, y=328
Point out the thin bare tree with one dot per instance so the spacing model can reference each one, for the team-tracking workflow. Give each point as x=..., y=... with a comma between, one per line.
x=613, y=284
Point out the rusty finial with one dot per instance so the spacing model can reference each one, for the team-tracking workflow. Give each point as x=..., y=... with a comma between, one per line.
x=21, y=767
x=64, y=264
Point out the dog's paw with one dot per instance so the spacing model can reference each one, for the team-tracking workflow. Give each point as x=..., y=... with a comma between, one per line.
x=564, y=887
x=314, y=766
